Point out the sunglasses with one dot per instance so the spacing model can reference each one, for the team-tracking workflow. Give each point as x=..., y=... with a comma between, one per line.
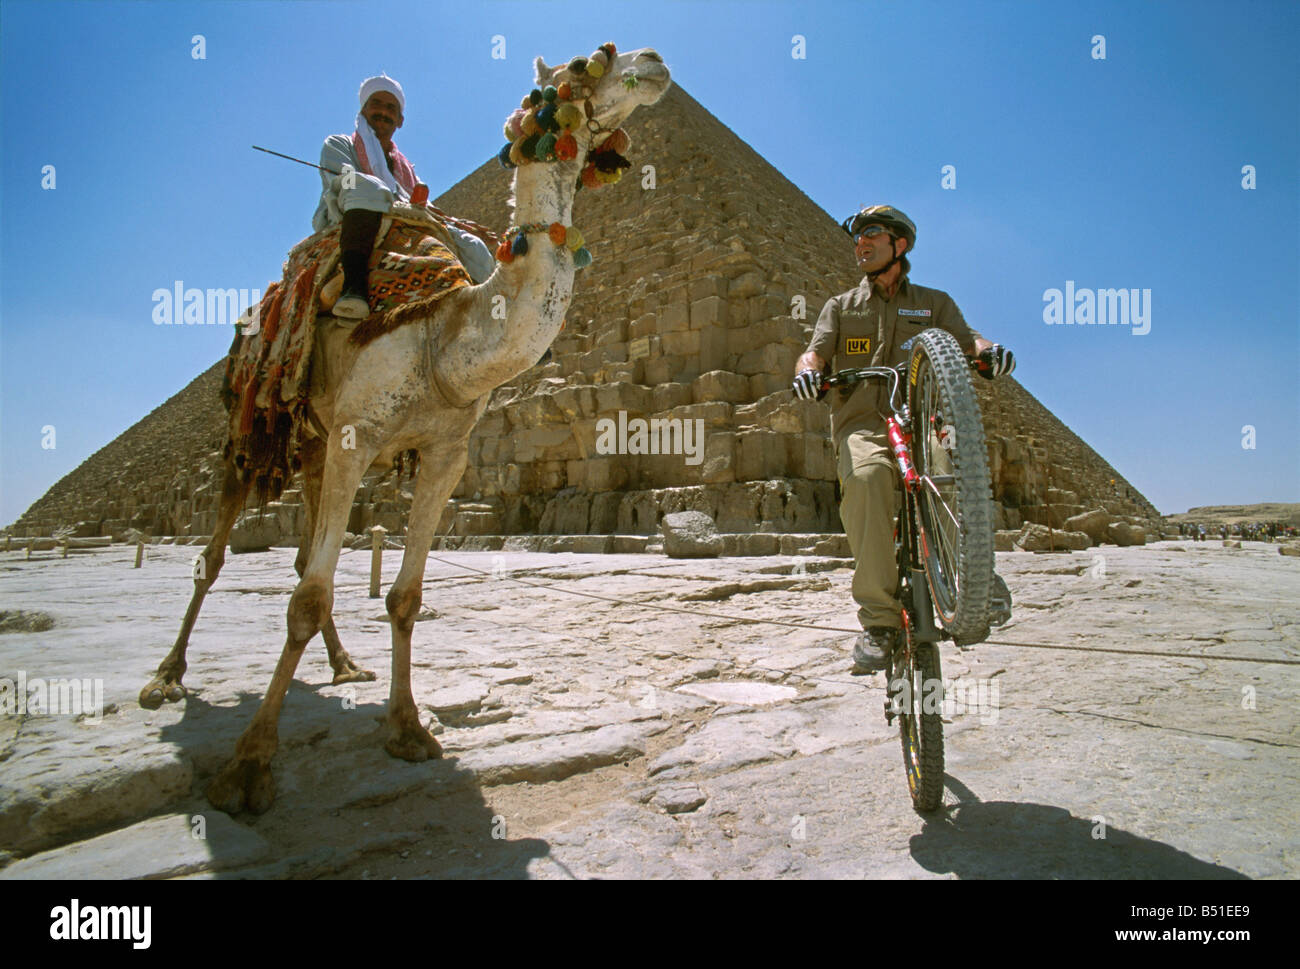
x=870, y=232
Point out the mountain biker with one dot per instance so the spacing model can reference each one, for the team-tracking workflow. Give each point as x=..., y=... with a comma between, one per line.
x=865, y=327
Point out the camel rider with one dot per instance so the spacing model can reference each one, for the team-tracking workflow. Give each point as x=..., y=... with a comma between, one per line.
x=375, y=174
x=865, y=327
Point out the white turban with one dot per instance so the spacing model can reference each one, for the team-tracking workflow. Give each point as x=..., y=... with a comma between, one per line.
x=382, y=83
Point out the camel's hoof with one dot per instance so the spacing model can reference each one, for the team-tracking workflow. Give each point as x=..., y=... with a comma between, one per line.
x=413, y=743
x=353, y=674
x=243, y=784
x=159, y=690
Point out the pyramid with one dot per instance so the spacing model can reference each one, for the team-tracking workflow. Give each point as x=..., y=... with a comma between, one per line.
x=704, y=291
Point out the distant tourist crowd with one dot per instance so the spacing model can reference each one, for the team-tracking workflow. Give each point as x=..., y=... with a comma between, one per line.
x=1252, y=531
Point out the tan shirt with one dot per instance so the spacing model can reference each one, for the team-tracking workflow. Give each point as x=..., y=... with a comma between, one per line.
x=864, y=328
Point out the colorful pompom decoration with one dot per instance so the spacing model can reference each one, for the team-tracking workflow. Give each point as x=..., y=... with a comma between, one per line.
x=517, y=153
x=578, y=65
x=617, y=141
x=546, y=118
x=568, y=116
x=566, y=147
x=520, y=246
x=534, y=97
x=557, y=233
x=503, y=251
x=545, y=150
x=503, y=156
x=573, y=238
x=581, y=258
x=589, y=179
x=549, y=93
x=528, y=124
x=595, y=68
x=564, y=91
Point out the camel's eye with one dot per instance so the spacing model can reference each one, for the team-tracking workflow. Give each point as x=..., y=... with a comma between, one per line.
x=651, y=55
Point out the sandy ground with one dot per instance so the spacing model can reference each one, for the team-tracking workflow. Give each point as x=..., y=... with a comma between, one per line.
x=593, y=738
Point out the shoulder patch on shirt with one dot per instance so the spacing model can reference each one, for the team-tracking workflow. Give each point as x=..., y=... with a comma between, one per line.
x=903, y=312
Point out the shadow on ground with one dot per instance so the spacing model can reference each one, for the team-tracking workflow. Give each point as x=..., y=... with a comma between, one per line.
x=1004, y=839
x=343, y=805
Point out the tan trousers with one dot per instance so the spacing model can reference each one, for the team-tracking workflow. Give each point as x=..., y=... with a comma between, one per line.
x=869, y=502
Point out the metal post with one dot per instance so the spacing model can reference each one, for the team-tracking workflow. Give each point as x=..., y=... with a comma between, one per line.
x=376, y=558
x=64, y=543
x=139, y=553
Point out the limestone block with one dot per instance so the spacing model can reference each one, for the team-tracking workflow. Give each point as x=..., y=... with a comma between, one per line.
x=614, y=332
x=719, y=458
x=760, y=455
x=1004, y=540
x=1124, y=534
x=758, y=543
x=702, y=287
x=603, y=519
x=720, y=385
x=691, y=534
x=667, y=395
x=683, y=344
x=254, y=533
x=747, y=284
x=1093, y=522
x=611, y=398
x=647, y=324
x=576, y=402
x=477, y=523
x=1289, y=548
x=771, y=358
x=638, y=514
x=567, y=515
x=763, y=384
x=1038, y=538
x=714, y=354
x=709, y=311
x=673, y=318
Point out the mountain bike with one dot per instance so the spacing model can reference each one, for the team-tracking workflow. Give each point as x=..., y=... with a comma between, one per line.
x=943, y=538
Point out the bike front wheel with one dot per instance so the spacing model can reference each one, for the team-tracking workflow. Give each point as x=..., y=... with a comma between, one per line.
x=916, y=690
x=955, y=501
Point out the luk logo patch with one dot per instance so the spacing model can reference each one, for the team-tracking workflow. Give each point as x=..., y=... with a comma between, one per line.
x=859, y=344
x=923, y=313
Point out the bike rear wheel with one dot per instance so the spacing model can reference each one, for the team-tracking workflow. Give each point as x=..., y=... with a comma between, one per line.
x=955, y=501
x=916, y=688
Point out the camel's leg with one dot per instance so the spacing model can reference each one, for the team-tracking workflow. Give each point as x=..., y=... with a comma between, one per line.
x=345, y=671
x=437, y=477
x=246, y=780
x=166, y=684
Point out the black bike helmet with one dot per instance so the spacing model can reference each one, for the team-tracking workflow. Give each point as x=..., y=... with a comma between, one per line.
x=888, y=216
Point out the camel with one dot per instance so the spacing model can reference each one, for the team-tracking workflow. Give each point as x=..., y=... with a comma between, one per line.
x=421, y=386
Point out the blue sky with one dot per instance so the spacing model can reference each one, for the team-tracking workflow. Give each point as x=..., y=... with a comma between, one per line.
x=1122, y=172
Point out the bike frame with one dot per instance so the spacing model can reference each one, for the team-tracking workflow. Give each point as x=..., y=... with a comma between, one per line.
x=911, y=536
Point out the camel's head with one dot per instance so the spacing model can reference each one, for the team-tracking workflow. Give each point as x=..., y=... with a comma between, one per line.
x=630, y=80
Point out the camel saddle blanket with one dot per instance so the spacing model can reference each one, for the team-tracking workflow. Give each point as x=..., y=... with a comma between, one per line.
x=268, y=370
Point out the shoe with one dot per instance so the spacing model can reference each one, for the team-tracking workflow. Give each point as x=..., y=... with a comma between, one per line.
x=871, y=651
x=999, y=602
x=352, y=305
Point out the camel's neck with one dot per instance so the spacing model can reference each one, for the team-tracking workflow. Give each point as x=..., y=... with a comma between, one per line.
x=512, y=318
x=544, y=192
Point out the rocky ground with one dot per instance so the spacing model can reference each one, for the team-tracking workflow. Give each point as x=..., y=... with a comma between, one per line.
x=592, y=738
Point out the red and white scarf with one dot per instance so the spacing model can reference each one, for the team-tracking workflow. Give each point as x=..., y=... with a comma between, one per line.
x=367, y=146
